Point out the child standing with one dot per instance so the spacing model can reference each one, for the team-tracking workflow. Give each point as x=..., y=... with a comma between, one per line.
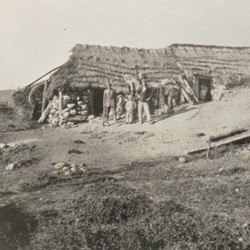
x=130, y=108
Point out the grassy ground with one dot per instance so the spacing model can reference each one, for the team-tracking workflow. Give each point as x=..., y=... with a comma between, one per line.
x=163, y=204
x=130, y=195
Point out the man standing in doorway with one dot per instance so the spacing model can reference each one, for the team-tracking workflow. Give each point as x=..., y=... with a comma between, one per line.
x=109, y=104
x=144, y=96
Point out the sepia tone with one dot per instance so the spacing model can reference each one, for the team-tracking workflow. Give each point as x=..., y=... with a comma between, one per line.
x=120, y=145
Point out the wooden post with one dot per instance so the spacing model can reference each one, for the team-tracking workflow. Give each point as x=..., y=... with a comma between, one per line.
x=60, y=104
x=44, y=96
x=209, y=149
x=91, y=102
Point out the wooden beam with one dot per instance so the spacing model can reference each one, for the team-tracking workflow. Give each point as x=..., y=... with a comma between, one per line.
x=235, y=140
x=45, y=113
x=184, y=93
x=227, y=134
x=190, y=90
x=60, y=104
x=44, y=96
x=43, y=76
x=91, y=102
x=33, y=90
x=186, y=84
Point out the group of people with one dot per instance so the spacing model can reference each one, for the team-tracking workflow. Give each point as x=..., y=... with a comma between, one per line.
x=139, y=100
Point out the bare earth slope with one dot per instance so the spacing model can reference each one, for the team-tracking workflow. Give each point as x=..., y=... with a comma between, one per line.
x=131, y=186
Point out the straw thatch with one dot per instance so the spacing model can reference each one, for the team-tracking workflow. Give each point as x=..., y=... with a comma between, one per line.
x=94, y=66
x=225, y=65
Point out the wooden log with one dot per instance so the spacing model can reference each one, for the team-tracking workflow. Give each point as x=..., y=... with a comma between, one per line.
x=32, y=92
x=44, y=96
x=60, y=104
x=185, y=94
x=209, y=149
x=227, y=134
x=186, y=84
x=43, y=76
x=190, y=90
x=242, y=138
x=91, y=102
x=45, y=113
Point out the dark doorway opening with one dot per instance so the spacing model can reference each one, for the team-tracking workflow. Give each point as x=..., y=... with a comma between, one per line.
x=202, y=88
x=98, y=101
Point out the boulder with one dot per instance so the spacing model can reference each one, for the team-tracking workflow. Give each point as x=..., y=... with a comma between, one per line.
x=14, y=144
x=67, y=172
x=84, y=107
x=65, y=168
x=182, y=159
x=65, y=110
x=74, y=169
x=60, y=165
x=53, y=111
x=10, y=167
x=72, y=112
x=2, y=145
x=71, y=105
x=84, y=113
x=66, y=115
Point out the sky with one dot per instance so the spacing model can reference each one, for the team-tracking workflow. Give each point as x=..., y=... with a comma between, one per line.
x=38, y=35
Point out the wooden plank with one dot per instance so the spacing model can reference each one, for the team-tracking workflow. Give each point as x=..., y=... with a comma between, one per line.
x=186, y=85
x=60, y=103
x=232, y=140
x=190, y=90
x=185, y=94
x=91, y=102
x=33, y=90
x=227, y=134
x=45, y=113
x=43, y=76
x=44, y=96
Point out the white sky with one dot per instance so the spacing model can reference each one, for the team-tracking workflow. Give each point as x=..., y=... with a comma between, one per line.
x=37, y=35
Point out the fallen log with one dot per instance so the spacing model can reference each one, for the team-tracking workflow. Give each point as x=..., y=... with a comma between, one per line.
x=236, y=140
x=227, y=134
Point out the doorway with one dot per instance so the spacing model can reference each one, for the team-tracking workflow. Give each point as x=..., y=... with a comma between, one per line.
x=202, y=89
x=98, y=101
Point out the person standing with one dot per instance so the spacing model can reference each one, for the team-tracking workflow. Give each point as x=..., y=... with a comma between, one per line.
x=109, y=104
x=144, y=96
x=130, y=108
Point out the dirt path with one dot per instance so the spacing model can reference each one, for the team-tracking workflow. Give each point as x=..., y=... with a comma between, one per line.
x=120, y=143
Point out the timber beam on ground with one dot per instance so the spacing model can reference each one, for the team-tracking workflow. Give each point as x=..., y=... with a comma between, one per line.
x=241, y=138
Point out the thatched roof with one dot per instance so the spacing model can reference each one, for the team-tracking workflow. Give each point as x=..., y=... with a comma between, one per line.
x=223, y=64
x=94, y=66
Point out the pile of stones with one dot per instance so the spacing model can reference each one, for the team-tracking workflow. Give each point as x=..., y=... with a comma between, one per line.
x=68, y=169
x=72, y=112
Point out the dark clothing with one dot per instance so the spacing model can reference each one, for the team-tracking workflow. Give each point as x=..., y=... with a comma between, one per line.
x=144, y=96
x=109, y=98
x=109, y=104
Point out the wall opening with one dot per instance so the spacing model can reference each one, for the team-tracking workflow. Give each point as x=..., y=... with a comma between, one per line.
x=202, y=89
x=98, y=101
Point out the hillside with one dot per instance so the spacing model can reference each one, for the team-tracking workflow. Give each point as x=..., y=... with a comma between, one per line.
x=7, y=96
x=124, y=187
x=16, y=115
